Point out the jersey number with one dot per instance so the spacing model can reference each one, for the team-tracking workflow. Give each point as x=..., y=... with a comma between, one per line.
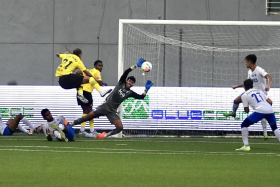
x=258, y=97
x=65, y=61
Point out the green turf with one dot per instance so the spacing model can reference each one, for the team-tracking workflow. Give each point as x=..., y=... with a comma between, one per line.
x=33, y=161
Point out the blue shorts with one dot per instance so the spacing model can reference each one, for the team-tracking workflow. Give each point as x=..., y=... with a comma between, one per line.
x=8, y=131
x=71, y=133
x=256, y=117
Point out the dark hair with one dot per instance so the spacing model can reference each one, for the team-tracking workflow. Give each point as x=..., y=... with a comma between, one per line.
x=96, y=62
x=131, y=78
x=248, y=83
x=77, y=51
x=44, y=111
x=252, y=58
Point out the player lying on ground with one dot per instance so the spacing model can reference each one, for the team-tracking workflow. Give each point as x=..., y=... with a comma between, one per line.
x=12, y=124
x=57, y=127
x=68, y=80
x=258, y=76
x=87, y=90
x=263, y=110
x=119, y=94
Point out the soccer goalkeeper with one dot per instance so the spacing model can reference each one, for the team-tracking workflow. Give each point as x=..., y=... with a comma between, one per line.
x=119, y=94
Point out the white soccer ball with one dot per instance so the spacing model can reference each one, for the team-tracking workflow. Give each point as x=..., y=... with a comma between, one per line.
x=146, y=66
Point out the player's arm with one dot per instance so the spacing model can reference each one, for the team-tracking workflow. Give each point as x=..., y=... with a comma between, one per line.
x=59, y=55
x=266, y=98
x=245, y=103
x=126, y=72
x=269, y=80
x=148, y=85
x=49, y=138
x=237, y=86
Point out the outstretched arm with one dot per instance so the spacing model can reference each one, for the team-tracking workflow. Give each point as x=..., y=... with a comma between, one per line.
x=148, y=85
x=126, y=72
x=269, y=80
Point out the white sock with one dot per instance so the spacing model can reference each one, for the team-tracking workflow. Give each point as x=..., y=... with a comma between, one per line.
x=91, y=130
x=264, y=124
x=62, y=127
x=57, y=134
x=234, y=108
x=82, y=129
x=27, y=122
x=21, y=128
x=245, y=133
x=277, y=134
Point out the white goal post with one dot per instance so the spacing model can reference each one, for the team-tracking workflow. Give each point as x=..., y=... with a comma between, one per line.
x=200, y=55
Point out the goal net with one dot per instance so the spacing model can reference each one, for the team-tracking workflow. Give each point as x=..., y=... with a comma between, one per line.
x=195, y=64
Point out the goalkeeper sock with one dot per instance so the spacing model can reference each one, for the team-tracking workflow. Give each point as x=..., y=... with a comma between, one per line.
x=27, y=122
x=93, y=83
x=263, y=122
x=245, y=133
x=91, y=125
x=80, y=90
x=115, y=131
x=81, y=120
x=83, y=124
x=234, y=108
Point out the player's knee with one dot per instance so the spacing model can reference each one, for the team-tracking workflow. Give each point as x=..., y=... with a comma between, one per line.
x=236, y=101
x=246, y=123
x=273, y=127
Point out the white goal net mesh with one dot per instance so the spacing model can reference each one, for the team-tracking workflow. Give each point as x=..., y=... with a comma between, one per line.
x=205, y=59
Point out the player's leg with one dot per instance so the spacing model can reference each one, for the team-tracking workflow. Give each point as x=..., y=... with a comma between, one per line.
x=95, y=84
x=264, y=126
x=235, y=106
x=272, y=122
x=12, y=125
x=69, y=132
x=29, y=124
x=253, y=118
x=88, y=117
x=114, y=119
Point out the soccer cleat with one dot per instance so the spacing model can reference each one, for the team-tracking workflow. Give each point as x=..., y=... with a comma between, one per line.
x=90, y=135
x=230, y=114
x=244, y=148
x=82, y=98
x=94, y=132
x=62, y=134
x=83, y=132
x=265, y=136
x=103, y=135
x=105, y=92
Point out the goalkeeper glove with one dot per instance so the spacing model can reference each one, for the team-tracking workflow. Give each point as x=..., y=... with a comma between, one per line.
x=148, y=85
x=140, y=62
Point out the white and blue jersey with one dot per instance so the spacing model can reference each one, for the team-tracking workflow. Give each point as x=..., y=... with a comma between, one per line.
x=258, y=77
x=4, y=128
x=257, y=100
x=57, y=121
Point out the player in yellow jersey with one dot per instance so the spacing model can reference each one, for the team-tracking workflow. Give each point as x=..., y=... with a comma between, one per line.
x=87, y=90
x=68, y=80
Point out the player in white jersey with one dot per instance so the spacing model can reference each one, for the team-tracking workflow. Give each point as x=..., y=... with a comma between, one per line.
x=56, y=126
x=12, y=124
x=263, y=110
x=259, y=76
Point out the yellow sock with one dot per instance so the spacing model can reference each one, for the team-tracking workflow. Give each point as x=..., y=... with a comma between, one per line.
x=80, y=90
x=91, y=124
x=84, y=123
x=93, y=82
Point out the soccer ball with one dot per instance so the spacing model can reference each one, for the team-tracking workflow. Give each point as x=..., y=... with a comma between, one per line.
x=146, y=66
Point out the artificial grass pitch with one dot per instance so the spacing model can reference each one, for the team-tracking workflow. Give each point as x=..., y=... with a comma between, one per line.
x=33, y=161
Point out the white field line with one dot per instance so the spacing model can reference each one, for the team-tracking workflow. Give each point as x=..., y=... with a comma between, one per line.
x=127, y=151
x=148, y=153
x=150, y=140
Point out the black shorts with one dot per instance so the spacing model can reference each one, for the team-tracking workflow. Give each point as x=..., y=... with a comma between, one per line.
x=102, y=111
x=88, y=96
x=70, y=81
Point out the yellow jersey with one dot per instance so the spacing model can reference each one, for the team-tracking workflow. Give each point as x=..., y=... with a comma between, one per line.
x=95, y=74
x=69, y=63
